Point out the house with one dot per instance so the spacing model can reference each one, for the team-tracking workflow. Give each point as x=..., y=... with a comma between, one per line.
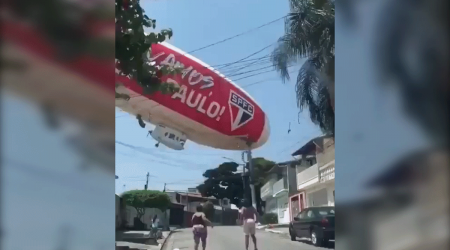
x=281, y=184
x=224, y=212
x=191, y=199
x=315, y=174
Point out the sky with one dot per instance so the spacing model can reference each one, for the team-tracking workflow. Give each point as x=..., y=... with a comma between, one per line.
x=195, y=24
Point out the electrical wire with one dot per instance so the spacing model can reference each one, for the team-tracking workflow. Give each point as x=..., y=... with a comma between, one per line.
x=263, y=81
x=254, y=53
x=268, y=71
x=238, y=35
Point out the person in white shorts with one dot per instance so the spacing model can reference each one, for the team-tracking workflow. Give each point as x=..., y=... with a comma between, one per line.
x=249, y=215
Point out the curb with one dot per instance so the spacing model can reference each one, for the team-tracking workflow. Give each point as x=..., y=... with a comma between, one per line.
x=165, y=239
x=275, y=231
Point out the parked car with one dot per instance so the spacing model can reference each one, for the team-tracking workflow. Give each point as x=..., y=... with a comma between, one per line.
x=316, y=223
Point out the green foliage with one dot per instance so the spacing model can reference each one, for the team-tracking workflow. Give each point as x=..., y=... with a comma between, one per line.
x=225, y=182
x=209, y=210
x=133, y=45
x=269, y=218
x=141, y=199
x=309, y=34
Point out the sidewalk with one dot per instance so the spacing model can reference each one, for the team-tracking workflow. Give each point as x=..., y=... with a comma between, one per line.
x=275, y=228
x=126, y=245
x=280, y=230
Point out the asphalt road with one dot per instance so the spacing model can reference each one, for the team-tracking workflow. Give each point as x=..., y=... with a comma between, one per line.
x=232, y=237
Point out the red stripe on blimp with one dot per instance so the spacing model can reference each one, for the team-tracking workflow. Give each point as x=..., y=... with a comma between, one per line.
x=97, y=70
x=206, y=97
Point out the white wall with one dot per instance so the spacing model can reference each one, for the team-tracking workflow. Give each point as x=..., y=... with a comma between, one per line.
x=283, y=209
x=271, y=205
x=320, y=195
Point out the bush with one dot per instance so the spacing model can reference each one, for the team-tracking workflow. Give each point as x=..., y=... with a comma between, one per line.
x=269, y=218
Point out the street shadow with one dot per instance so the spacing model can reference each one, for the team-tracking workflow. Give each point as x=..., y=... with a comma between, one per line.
x=330, y=244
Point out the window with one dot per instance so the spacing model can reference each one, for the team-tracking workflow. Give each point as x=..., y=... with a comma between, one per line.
x=166, y=134
x=171, y=136
x=302, y=215
x=325, y=211
x=310, y=214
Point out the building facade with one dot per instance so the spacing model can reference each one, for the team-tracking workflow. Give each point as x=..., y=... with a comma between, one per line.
x=276, y=191
x=315, y=176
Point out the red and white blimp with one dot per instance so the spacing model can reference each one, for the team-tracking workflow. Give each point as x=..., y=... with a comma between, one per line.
x=208, y=109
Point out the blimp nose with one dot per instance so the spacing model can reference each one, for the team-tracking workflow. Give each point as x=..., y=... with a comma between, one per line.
x=265, y=133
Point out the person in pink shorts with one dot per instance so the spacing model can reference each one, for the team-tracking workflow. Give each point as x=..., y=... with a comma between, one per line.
x=199, y=227
x=249, y=215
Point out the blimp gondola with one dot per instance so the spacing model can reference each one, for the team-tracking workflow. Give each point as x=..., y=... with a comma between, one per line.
x=208, y=109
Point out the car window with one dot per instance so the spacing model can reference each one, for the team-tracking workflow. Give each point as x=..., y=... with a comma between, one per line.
x=302, y=215
x=325, y=211
x=310, y=214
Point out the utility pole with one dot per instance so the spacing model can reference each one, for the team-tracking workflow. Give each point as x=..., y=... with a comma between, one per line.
x=252, y=177
x=146, y=184
x=252, y=174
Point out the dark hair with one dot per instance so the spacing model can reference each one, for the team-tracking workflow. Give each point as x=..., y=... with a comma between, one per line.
x=246, y=203
x=199, y=208
x=154, y=218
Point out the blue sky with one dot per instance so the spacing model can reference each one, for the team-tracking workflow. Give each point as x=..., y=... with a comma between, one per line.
x=197, y=23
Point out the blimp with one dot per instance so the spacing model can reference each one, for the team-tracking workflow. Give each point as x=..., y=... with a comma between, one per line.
x=208, y=109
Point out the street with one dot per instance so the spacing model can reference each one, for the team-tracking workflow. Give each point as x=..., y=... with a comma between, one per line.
x=232, y=237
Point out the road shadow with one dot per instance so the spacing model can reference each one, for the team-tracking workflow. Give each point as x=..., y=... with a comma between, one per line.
x=330, y=244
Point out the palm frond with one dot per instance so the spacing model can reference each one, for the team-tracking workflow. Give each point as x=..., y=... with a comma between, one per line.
x=310, y=33
x=306, y=87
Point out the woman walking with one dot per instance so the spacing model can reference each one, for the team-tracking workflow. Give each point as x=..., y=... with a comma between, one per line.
x=155, y=226
x=249, y=217
x=199, y=227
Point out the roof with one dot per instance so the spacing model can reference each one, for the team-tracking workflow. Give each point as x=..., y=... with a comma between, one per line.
x=310, y=147
x=195, y=195
x=277, y=169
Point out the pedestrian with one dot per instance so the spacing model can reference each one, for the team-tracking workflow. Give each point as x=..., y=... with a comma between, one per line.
x=199, y=227
x=155, y=226
x=249, y=217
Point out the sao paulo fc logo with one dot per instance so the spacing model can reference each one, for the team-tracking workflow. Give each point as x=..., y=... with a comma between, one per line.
x=241, y=110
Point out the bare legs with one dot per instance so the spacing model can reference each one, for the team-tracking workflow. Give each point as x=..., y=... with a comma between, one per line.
x=196, y=242
x=254, y=241
x=204, y=244
x=247, y=241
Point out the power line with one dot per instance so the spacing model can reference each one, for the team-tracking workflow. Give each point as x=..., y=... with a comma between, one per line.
x=263, y=81
x=238, y=35
x=240, y=60
x=243, y=61
x=268, y=71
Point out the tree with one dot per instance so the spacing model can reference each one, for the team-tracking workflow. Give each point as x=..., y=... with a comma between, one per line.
x=309, y=34
x=225, y=182
x=209, y=210
x=141, y=199
x=133, y=46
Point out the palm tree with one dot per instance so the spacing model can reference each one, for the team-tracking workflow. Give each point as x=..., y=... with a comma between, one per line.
x=309, y=34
